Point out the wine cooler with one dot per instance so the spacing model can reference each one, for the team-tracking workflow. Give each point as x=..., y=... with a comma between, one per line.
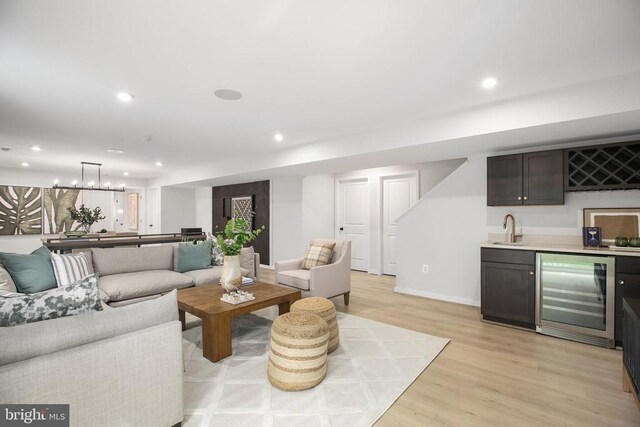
x=575, y=297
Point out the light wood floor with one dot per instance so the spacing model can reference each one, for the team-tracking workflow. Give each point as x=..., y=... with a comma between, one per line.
x=493, y=375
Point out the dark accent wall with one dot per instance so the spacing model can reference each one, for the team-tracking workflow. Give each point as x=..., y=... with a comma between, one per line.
x=260, y=192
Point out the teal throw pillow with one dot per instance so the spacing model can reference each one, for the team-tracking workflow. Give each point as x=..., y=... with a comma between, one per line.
x=31, y=273
x=194, y=257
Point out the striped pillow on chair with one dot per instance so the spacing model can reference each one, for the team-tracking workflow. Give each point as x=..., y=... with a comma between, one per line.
x=69, y=268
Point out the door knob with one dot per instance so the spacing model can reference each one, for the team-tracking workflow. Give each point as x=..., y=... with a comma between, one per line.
x=341, y=228
x=531, y=273
x=526, y=197
x=621, y=282
x=519, y=198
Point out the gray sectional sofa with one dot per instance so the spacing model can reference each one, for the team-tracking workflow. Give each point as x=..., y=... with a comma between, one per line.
x=130, y=274
x=118, y=367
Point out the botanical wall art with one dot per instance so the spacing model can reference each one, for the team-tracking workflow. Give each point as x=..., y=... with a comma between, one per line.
x=56, y=202
x=20, y=210
x=132, y=211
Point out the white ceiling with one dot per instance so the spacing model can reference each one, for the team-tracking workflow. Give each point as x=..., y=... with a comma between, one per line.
x=314, y=71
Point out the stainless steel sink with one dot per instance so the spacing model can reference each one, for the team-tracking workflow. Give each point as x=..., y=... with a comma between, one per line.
x=510, y=244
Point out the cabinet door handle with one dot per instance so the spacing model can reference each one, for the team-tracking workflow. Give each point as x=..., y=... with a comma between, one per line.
x=526, y=197
x=531, y=273
x=519, y=198
x=621, y=282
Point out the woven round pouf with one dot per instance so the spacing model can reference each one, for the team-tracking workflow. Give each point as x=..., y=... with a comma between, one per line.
x=325, y=309
x=298, y=351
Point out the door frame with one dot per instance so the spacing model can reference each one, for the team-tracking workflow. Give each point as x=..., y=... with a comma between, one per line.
x=338, y=205
x=415, y=174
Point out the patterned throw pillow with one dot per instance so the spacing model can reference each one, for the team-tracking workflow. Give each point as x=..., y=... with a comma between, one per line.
x=77, y=298
x=217, y=257
x=69, y=268
x=317, y=255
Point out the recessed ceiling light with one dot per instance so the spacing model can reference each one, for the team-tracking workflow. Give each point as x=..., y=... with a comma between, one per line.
x=145, y=138
x=159, y=163
x=115, y=151
x=489, y=82
x=125, y=173
x=36, y=148
x=278, y=137
x=25, y=164
x=228, y=94
x=125, y=97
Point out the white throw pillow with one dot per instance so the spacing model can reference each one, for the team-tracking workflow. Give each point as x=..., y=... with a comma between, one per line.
x=69, y=268
x=6, y=282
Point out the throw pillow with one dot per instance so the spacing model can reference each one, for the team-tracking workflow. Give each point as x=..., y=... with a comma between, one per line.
x=6, y=282
x=247, y=261
x=69, y=268
x=31, y=273
x=217, y=257
x=76, y=298
x=318, y=254
x=194, y=256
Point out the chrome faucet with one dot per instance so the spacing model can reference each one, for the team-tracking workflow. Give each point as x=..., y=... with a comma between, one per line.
x=513, y=235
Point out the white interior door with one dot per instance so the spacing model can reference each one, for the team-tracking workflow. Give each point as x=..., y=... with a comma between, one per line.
x=152, y=209
x=352, y=219
x=399, y=193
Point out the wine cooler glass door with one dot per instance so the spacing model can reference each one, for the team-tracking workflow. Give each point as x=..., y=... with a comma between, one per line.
x=575, y=293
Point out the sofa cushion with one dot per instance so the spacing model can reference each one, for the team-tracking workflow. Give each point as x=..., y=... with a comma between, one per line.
x=31, y=273
x=6, y=282
x=32, y=340
x=107, y=261
x=206, y=276
x=299, y=279
x=194, y=256
x=69, y=268
x=247, y=262
x=78, y=297
x=318, y=254
x=124, y=286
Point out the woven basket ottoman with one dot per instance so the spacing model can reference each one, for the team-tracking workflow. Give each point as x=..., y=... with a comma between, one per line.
x=325, y=309
x=298, y=351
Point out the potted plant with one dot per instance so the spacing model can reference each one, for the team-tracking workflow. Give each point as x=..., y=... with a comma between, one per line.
x=236, y=233
x=86, y=216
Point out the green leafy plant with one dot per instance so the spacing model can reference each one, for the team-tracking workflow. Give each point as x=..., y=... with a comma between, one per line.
x=236, y=233
x=86, y=216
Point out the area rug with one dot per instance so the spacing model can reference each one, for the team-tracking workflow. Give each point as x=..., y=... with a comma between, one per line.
x=373, y=366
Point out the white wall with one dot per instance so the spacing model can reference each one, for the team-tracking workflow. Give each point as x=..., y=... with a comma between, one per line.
x=318, y=204
x=177, y=209
x=286, y=219
x=444, y=230
x=204, y=208
x=92, y=199
x=430, y=174
x=447, y=226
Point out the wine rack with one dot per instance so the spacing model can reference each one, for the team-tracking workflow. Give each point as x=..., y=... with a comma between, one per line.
x=604, y=167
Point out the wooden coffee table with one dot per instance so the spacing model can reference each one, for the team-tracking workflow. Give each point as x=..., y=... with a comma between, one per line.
x=204, y=302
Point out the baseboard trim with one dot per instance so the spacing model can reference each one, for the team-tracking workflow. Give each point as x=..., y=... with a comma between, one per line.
x=441, y=297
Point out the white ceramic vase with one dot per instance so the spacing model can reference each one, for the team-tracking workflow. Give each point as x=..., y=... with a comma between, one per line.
x=231, y=275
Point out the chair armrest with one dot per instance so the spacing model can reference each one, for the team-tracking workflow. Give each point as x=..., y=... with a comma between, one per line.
x=330, y=280
x=289, y=264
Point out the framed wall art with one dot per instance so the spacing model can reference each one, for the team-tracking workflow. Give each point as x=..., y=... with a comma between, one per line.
x=613, y=222
x=133, y=201
x=20, y=210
